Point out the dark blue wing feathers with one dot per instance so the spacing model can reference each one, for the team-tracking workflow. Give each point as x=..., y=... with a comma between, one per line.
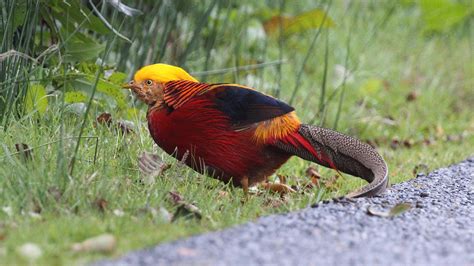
x=245, y=106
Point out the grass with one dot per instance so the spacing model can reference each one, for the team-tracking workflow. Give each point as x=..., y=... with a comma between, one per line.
x=388, y=62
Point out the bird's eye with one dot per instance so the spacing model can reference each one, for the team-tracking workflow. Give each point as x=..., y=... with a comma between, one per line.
x=131, y=82
x=149, y=82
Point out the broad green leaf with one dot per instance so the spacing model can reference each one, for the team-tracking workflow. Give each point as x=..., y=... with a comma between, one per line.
x=36, y=99
x=371, y=86
x=88, y=68
x=82, y=51
x=75, y=12
x=116, y=92
x=313, y=19
x=441, y=15
x=272, y=26
x=75, y=97
x=118, y=78
x=105, y=87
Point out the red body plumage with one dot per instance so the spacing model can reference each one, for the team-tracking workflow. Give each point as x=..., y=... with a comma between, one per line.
x=207, y=133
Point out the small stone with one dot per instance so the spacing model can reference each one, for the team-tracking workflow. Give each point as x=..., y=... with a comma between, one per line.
x=424, y=194
x=119, y=213
x=30, y=251
x=105, y=243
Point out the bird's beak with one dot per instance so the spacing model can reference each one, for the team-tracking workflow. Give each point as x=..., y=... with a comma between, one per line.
x=127, y=86
x=132, y=86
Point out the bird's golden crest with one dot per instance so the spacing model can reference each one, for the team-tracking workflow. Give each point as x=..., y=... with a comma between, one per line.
x=162, y=73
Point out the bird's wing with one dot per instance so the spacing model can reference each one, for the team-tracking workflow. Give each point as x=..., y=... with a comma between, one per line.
x=244, y=106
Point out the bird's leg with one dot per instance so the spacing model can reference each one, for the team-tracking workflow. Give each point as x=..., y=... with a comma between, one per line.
x=245, y=186
x=282, y=179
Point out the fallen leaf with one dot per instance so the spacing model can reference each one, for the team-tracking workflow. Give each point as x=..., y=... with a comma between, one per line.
x=105, y=243
x=395, y=143
x=408, y=143
x=101, y=204
x=373, y=212
x=394, y=211
x=24, y=151
x=399, y=209
x=122, y=126
x=104, y=119
x=314, y=175
x=278, y=188
x=428, y=141
x=412, y=96
x=30, y=251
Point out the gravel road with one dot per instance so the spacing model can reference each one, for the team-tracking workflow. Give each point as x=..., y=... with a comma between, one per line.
x=438, y=230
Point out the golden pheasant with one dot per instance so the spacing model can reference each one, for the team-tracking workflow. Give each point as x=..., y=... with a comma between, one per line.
x=237, y=134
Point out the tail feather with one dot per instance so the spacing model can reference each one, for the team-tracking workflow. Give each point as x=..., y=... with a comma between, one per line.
x=341, y=152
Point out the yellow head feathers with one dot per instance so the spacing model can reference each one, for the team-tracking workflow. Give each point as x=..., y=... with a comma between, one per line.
x=162, y=73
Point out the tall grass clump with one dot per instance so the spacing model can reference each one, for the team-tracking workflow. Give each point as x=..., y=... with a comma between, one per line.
x=18, y=26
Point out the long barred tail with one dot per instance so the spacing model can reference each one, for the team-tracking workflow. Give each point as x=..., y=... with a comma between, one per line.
x=343, y=153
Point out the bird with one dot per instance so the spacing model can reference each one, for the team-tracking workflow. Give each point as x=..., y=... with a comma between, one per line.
x=236, y=134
